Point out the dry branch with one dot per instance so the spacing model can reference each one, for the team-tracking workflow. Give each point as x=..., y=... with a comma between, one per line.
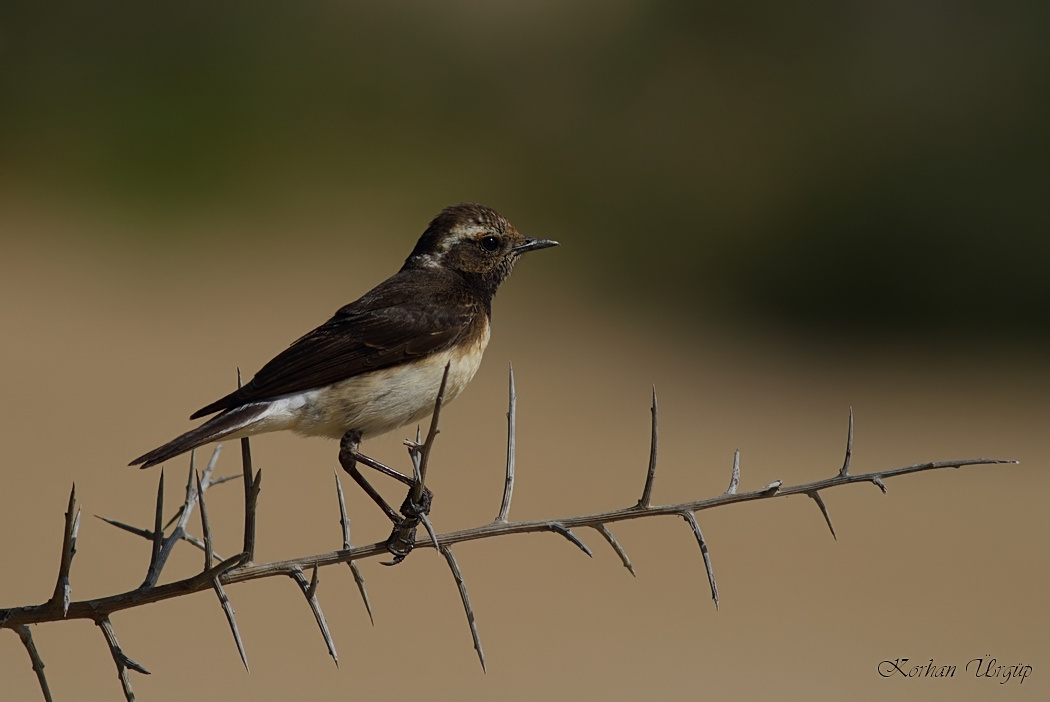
x=604, y=531
x=446, y=551
x=34, y=656
x=69, y=548
x=344, y=523
x=122, y=661
x=650, y=476
x=512, y=428
x=690, y=518
x=231, y=619
x=240, y=568
x=309, y=589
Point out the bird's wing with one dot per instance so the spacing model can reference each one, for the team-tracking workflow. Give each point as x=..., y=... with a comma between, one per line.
x=375, y=332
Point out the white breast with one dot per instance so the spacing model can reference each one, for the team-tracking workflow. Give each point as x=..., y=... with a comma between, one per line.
x=377, y=402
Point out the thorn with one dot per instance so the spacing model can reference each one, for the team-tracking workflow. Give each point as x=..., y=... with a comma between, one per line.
x=344, y=523
x=691, y=519
x=63, y=589
x=823, y=510
x=310, y=591
x=211, y=465
x=428, y=445
x=209, y=553
x=120, y=659
x=227, y=609
x=252, y=483
x=512, y=414
x=844, y=471
x=145, y=533
x=561, y=529
x=430, y=530
x=155, y=561
x=734, y=479
x=654, y=437
x=446, y=551
x=34, y=655
x=604, y=531
x=360, y=580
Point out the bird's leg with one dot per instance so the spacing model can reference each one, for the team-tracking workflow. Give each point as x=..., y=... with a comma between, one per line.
x=408, y=507
x=384, y=469
x=348, y=458
x=403, y=536
x=416, y=506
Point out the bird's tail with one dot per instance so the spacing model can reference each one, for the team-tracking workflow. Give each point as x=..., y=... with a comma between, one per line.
x=218, y=427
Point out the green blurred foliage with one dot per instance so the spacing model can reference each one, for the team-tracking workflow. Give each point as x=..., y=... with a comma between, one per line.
x=852, y=166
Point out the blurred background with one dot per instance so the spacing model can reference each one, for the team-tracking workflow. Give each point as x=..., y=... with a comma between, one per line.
x=772, y=213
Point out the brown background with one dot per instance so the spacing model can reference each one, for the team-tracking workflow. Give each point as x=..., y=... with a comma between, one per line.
x=771, y=211
x=106, y=350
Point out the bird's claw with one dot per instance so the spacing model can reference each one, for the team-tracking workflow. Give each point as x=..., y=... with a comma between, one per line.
x=412, y=509
x=401, y=541
x=402, y=537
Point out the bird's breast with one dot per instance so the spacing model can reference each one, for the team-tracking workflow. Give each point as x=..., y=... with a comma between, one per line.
x=386, y=399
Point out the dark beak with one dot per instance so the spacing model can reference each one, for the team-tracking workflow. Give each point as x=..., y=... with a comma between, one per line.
x=533, y=245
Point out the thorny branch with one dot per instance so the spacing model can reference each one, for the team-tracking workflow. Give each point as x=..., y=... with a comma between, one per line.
x=34, y=656
x=512, y=428
x=240, y=568
x=123, y=663
x=69, y=549
x=417, y=503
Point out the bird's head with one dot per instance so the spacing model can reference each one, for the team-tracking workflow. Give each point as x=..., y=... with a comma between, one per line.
x=474, y=241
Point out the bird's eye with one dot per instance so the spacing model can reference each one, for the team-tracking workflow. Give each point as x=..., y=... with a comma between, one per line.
x=490, y=243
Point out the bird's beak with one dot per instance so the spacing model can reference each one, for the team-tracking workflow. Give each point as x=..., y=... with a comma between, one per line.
x=533, y=245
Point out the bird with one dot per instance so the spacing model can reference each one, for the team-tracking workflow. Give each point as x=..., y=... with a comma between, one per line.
x=377, y=364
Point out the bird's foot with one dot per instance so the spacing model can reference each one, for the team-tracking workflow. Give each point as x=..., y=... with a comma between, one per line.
x=402, y=540
x=402, y=537
x=412, y=509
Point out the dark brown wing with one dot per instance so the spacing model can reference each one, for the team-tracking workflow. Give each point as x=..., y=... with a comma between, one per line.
x=406, y=317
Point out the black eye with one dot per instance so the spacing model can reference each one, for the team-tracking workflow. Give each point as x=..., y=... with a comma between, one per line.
x=490, y=243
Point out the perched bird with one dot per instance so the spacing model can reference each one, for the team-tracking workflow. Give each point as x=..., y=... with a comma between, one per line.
x=377, y=363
